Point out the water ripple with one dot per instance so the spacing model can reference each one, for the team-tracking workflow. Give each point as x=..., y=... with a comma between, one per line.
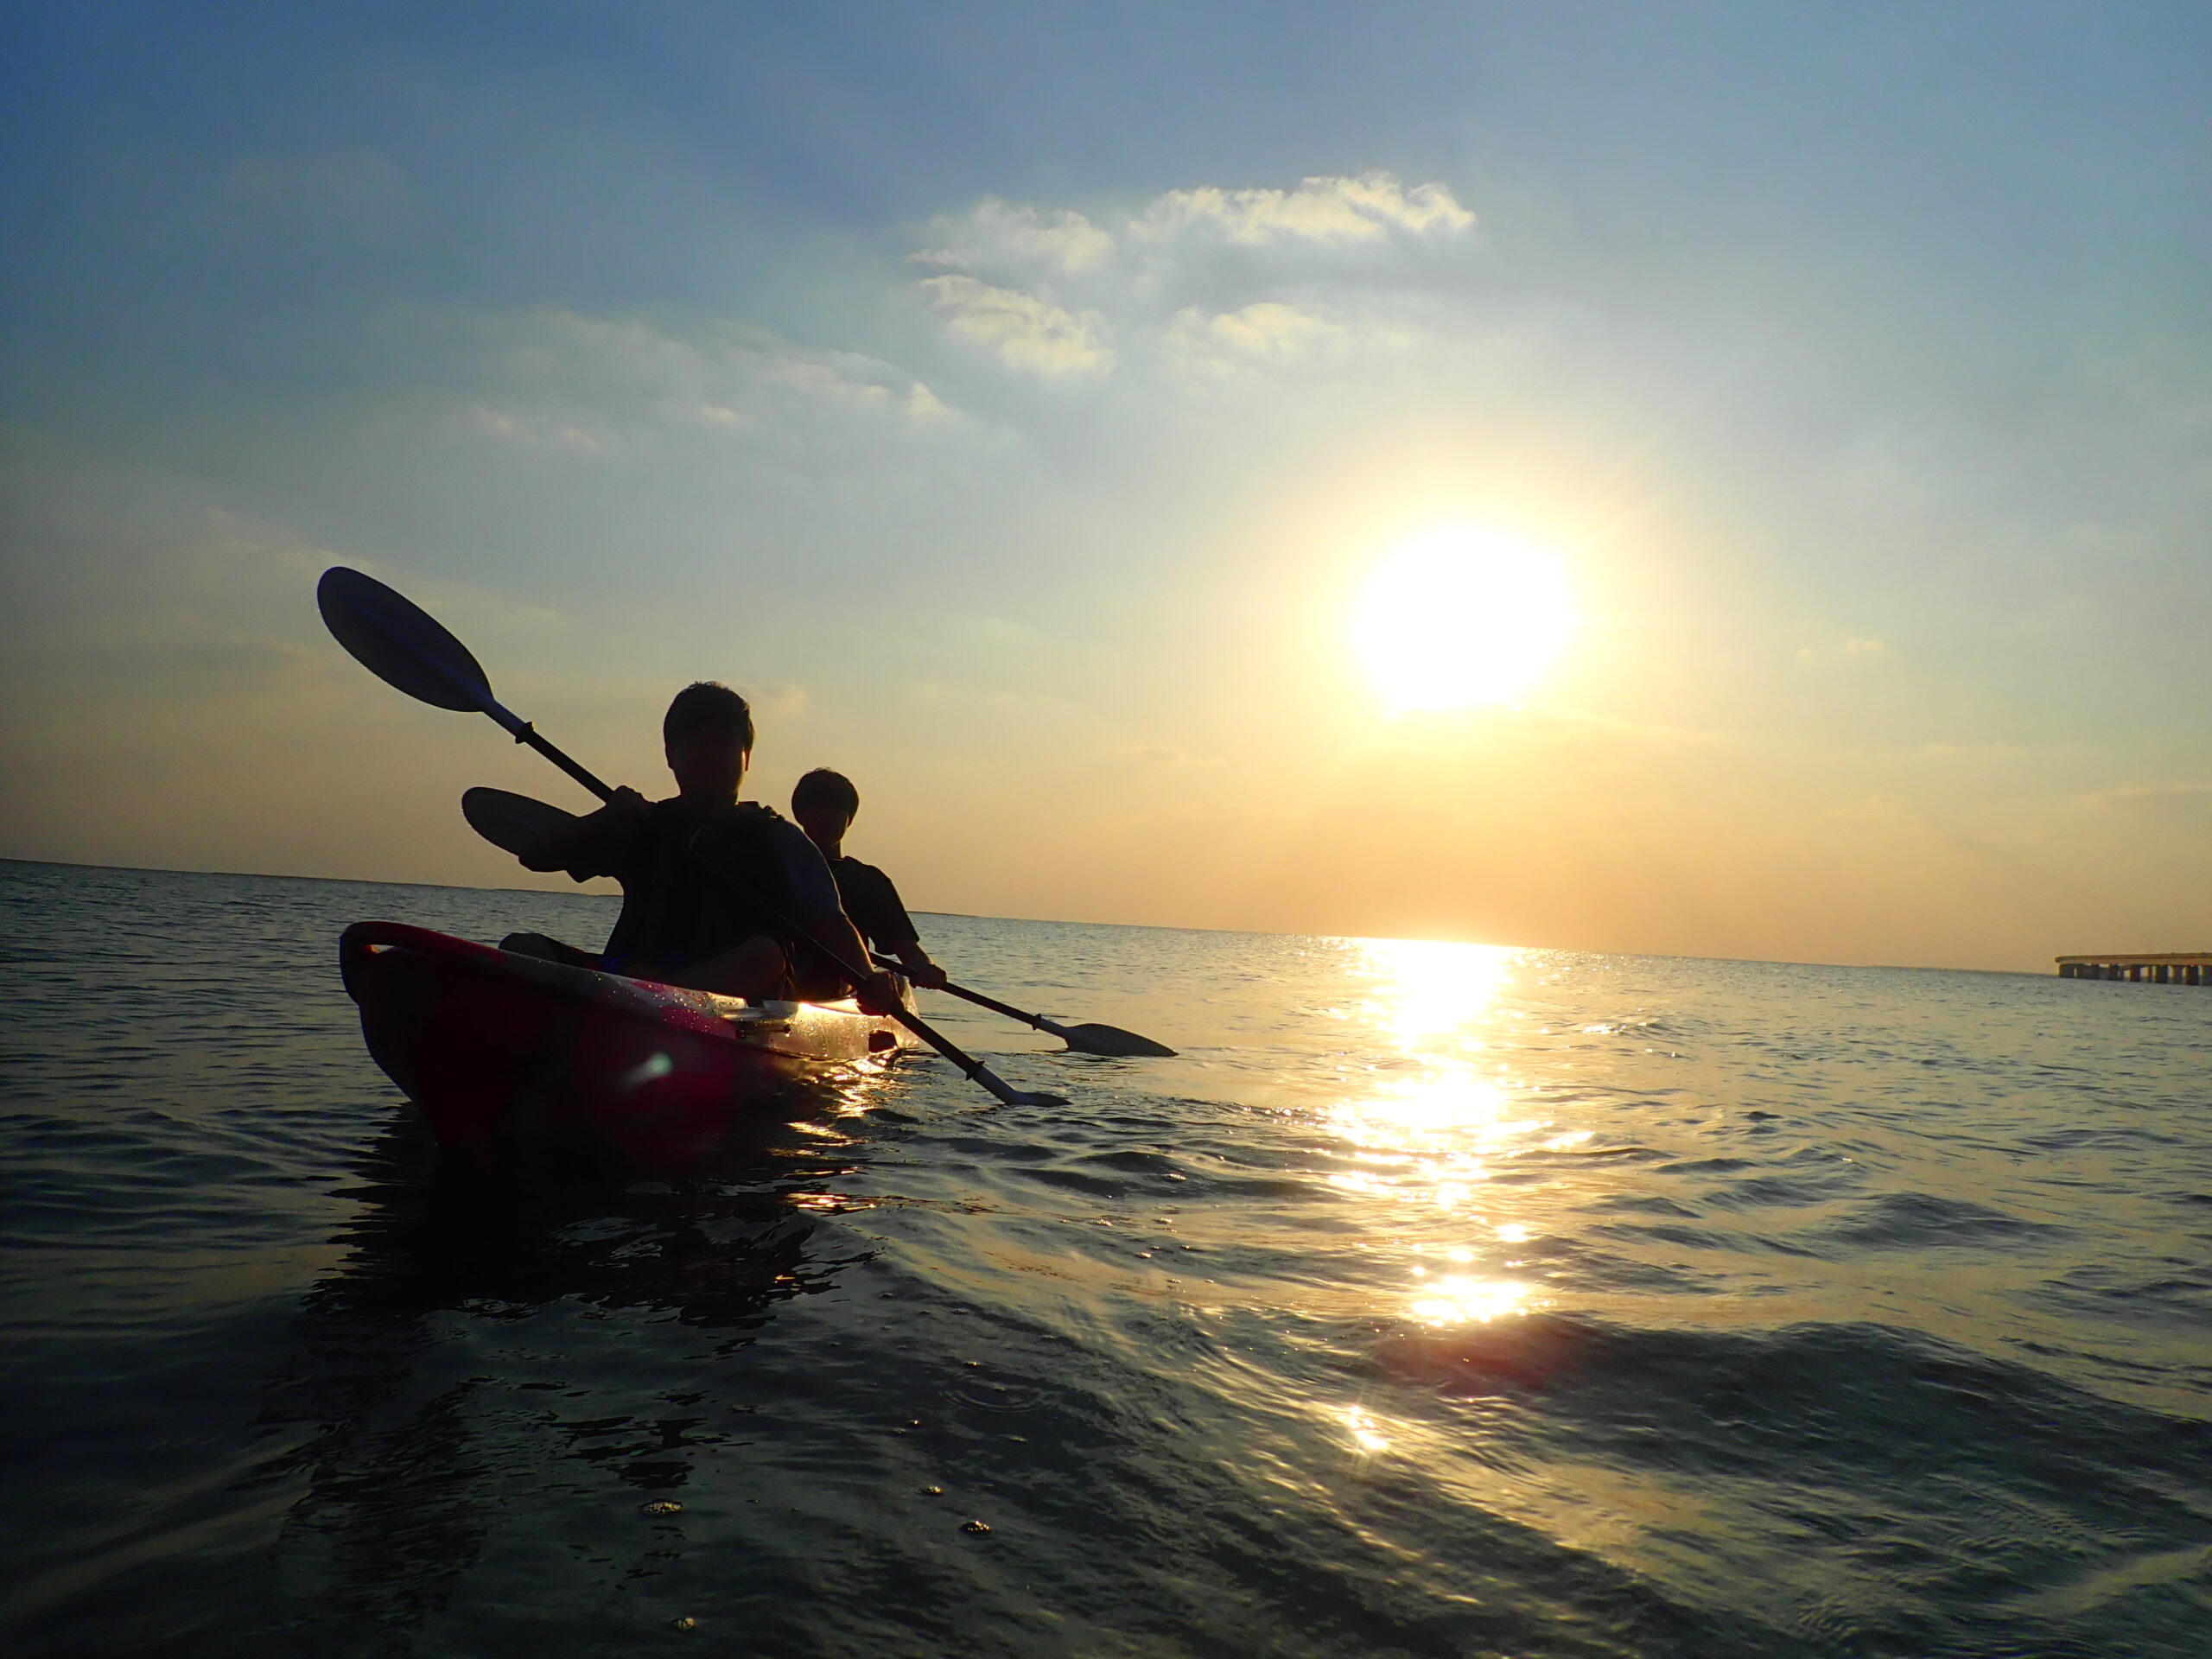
x=1438, y=1299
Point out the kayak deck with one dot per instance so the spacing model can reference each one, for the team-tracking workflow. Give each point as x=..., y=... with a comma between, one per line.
x=494, y=1046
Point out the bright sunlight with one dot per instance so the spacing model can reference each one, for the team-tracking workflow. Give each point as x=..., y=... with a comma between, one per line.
x=1459, y=616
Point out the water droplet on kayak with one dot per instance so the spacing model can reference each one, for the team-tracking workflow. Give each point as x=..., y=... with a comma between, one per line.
x=661, y=1506
x=974, y=1526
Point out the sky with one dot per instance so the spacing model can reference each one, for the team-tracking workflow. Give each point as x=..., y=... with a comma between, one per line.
x=1015, y=401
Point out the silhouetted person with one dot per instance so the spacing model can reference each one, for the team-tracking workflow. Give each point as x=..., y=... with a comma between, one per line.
x=695, y=867
x=825, y=804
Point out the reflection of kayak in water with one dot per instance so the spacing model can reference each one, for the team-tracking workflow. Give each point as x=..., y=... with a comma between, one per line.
x=494, y=1045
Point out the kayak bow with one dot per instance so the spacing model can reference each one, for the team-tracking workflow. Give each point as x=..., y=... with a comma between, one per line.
x=496, y=1046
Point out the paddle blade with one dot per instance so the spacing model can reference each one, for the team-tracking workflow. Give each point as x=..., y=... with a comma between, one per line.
x=1111, y=1040
x=509, y=822
x=399, y=642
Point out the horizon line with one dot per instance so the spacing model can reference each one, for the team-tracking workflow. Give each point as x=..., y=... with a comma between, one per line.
x=1059, y=921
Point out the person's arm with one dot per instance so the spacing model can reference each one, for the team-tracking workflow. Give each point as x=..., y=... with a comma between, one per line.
x=919, y=969
x=878, y=992
x=904, y=940
x=820, y=913
x=585, y=847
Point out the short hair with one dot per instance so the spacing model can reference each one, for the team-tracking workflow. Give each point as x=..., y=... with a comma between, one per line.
x=710, y=707
x=823, y=788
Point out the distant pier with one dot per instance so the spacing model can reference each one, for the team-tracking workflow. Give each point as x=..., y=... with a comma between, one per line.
x=2171, y=968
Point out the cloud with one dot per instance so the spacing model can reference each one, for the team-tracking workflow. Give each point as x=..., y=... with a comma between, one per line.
x=1028, y=333
x=1221, y=282
x=538, y=430
x=1363, y=209
x=996, y=238
x=995, y=232
x=1269, y=337
x=560, y=382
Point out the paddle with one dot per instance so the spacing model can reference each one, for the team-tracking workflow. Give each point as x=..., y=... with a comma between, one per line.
x=405, y=647
x=512, y=822
x=1086, y=1038
x=516, y=822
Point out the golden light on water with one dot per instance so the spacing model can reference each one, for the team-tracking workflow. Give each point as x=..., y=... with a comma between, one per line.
x=1433, y=1118
x=1424, y=991
x=1461, y=1301
x=1460, y=616
x=1365, y=1434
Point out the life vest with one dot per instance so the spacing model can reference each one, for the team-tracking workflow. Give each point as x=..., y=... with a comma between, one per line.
x=695, y=886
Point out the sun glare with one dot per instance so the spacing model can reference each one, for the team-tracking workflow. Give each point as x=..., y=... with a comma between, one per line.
x=1459, y=616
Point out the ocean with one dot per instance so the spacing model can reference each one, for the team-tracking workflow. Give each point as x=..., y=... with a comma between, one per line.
x=1438, y=1299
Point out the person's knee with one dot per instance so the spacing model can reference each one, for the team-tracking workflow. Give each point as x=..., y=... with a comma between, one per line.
x=754, y=968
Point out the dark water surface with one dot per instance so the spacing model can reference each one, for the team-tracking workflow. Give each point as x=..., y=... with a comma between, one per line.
x=1439, y=1300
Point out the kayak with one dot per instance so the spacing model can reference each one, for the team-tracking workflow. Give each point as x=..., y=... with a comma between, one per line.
x=496, y=1047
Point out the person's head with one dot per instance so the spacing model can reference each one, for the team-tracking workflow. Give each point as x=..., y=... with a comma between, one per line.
x=825, y=804
x=708, y=737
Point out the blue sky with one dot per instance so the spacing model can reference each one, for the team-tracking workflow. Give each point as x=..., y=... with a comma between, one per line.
x=1011, y=398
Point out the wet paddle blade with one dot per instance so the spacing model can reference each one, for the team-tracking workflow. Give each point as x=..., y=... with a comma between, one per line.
x=511, y=822
x=400, y=643
x=1110, y=1039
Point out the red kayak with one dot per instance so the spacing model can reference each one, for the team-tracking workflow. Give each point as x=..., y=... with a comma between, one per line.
x=496, y=1046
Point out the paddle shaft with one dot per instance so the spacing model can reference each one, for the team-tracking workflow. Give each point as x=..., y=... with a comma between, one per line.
x=525, y=733
x=529, y=734
x=981, y=1001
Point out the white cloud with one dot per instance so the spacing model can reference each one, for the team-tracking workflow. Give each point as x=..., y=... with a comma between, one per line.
x=1207, y=282
x=536, y=431
x=564, y=381
x=1362, y=209
x=995, y=232
x=1267, y=332
x=1028, y=332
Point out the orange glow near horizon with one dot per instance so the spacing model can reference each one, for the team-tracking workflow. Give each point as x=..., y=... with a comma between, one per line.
x=1460, y=616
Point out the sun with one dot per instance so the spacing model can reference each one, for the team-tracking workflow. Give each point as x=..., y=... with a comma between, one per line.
x=1460, y=616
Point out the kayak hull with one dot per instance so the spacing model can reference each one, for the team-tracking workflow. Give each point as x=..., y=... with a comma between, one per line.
x=497, y=1048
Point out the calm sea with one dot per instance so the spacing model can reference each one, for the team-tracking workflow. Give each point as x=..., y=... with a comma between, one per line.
x=1438, y=1300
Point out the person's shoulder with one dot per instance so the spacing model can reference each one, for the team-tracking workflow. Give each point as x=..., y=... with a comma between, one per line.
x=770, y=828
x=663, y=819
x=764, y=820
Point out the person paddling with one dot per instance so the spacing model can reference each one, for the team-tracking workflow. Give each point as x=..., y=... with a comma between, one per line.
x=690, y=864
x=825, y=804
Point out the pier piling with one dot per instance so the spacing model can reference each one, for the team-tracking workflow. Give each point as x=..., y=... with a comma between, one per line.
x=2141, y=967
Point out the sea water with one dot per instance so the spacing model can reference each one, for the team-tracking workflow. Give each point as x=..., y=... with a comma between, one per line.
x=1438, y=1299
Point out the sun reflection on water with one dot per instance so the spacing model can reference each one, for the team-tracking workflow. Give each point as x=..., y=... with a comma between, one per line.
x=1459, y=1300
x=1437, y=1110
x=1364, y=1434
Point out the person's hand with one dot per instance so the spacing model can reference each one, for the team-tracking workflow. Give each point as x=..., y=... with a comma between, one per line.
x=626, y=805
x=878, y=994
x=927, y=975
